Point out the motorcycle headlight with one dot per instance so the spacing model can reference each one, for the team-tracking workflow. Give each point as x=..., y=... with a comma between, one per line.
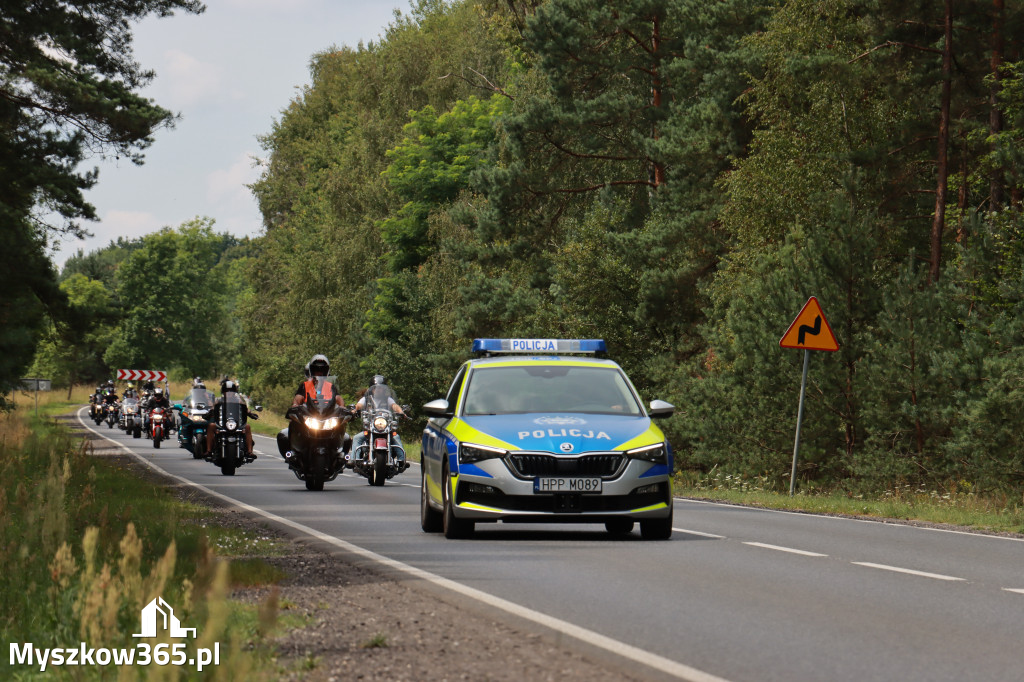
x=158, y=417
x=313, y=424
x=380, y=424
x=475, y=453
x=649, y=453
x=231, y=424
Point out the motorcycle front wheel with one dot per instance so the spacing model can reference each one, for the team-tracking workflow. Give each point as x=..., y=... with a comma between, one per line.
x=314, y=483
x=380, y=467
x=227, y=466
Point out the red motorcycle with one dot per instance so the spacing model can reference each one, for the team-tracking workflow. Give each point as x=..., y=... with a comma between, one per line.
x=158, y=425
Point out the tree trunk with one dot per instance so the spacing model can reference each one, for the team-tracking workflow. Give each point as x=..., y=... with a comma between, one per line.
x=943, y=161
x=659, y=168
x=995, y=115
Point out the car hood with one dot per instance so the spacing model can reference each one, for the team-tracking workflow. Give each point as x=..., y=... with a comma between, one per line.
x=564, y=433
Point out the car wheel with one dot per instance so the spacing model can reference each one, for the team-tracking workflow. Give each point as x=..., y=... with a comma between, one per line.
x=430, y=519
x=656, y=529
x=454, y=528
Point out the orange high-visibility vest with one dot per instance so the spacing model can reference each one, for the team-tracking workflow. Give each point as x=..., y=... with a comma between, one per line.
x=328, y=390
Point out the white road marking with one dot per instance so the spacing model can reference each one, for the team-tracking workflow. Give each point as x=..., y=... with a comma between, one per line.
x=1013, y=589
x=897, y=569
x=665, y=665
x=697, y=532
x=784, y=549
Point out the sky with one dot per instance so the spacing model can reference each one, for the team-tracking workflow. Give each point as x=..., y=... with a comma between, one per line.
x=229, y=72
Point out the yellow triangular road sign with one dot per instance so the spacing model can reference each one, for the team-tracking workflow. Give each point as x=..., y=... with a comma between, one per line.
x=810, y=330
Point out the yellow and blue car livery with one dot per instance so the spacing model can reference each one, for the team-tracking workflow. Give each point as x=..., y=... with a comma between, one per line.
x=536, y=430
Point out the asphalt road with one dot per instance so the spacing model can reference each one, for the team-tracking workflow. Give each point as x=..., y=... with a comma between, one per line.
x=737, y=594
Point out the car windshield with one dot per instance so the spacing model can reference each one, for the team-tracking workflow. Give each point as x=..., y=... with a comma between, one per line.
x=549, y=388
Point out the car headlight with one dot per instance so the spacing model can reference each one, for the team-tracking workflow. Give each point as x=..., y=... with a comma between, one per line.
x=650, y=453
x=475, y=453
x=380, y=423
x=231, y=424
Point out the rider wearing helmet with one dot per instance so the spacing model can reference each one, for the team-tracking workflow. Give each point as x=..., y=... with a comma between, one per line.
x=318, y=366
x=229, y=393
x=379, y=393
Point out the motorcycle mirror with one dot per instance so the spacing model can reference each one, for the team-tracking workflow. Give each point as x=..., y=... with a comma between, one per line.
x=259, y=408
x=437, y=408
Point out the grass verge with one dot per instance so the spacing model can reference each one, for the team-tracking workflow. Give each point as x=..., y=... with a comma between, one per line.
x=87, y=543
x=991, y=513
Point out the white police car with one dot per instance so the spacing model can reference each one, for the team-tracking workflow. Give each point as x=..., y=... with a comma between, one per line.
x=533, y=430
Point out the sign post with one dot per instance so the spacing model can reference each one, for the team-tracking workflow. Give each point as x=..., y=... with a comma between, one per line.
x=809, y=331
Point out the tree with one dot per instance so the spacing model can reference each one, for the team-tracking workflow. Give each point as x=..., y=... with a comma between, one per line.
x=72, y=351
x=173, y=303
x=68, y=89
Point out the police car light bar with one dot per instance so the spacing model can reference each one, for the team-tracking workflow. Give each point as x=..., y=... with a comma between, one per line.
x=548, y=346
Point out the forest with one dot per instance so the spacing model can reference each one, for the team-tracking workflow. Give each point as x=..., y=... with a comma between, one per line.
x=676, y=177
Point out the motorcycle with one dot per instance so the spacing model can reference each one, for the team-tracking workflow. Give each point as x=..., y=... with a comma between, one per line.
x=96, y=411
x=192, y=430
x=112, y=410
x=130, y=417
x=376, y=457
x=229, y=449
x=315, y=443
x=158, y=423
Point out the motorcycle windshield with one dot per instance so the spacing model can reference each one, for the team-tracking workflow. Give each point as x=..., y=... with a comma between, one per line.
x=325, y=391
x=199, y=398
x=234, y=408
x=379, y=397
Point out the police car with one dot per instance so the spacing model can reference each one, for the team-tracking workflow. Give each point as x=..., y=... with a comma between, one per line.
x=543, y=430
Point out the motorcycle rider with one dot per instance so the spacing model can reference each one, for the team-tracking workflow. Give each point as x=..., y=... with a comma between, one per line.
x=379, y=388
x=130, y=392
x=96, y=400
x=318, y=366
x=229, y=392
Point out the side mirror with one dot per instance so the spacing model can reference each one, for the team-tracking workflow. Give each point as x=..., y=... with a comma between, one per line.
x=259, y=408
x=659, y=408
x=437, y=408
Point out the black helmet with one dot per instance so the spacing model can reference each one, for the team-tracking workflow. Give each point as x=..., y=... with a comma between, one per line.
x=228, y=385
x=378, y=380
x=319, y=366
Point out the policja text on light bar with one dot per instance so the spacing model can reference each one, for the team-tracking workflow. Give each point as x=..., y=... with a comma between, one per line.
x=550, y=346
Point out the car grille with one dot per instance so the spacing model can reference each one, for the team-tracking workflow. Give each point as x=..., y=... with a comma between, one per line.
x=605, y=465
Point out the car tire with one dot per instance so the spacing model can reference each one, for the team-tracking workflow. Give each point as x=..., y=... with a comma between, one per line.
x=656, y=529
x=619, y=526
x=454, y=528
x=431, y=520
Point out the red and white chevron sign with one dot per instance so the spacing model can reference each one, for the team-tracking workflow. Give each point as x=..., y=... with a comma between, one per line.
x=141, y=375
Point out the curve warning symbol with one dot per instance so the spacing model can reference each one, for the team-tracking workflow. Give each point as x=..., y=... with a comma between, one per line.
x=810, y=330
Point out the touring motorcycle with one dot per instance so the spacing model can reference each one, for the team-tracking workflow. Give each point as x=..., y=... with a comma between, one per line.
x=315, y=442
x=376, y=458
x=131, y=418
x=192, y=431
x=229, y=449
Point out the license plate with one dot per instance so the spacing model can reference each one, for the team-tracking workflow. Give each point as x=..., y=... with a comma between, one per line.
x=566, y=485
x=380, y=443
